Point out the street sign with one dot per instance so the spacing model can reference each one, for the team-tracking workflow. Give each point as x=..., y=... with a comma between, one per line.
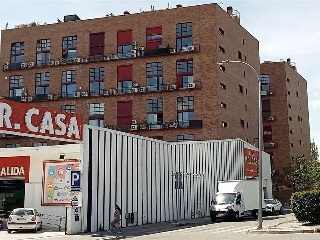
x=76, y=211
x=75, y=180
x=74, y=202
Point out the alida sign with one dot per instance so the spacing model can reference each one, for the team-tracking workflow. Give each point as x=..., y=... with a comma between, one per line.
x=34, y=121
x=18, y=166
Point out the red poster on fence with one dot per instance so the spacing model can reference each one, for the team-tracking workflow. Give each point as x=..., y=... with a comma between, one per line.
x=251, y=163
x=17, y=166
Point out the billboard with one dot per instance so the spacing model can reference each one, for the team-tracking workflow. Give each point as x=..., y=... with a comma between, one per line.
x=251, y=163
x=33, y=121
x=57, y=182
x=17, y=166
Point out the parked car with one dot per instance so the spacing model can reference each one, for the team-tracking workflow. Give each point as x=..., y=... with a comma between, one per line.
x=24, y=219
x=273, y=206
x=1, y=223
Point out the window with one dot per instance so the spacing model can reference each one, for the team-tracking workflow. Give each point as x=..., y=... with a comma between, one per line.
x=242, y=41
x=185, y=107
x=265, y=83
x=15, y=86
x=155, y=110
x=13, y=145
x=288, y=80
x=223, y=86
x=242, y=123
x=239, y=55
x=69, y=47
x=124, y=43
x=289, y=93
x=154, y=76
x=42, y=84
x=223, y=105
x=184, y=73
x=267, y=133
x=154, y=38
x=124, y=75
x=96, y=79
x=300, y=142
x=291, y=144
x=185, y=137
x=297, y=93
x=266, y=109
x=289, y=105
x=298, y=118
x=68, y=83
x=290, y=131
x=38, y=144
x=221, y=49
x=222, y=68
x=290, y=118
x=124, y=113
x=240, y=88
x=96, y=44
x=221, y=31
x=96, y=114
x=43, y=52
x=17, y=52
x=224, y=124
x=69, y=108
x=183, y=36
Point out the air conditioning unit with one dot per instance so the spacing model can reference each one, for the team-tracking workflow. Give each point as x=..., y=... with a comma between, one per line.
x=143, y=126
x=134, y=127
x=191, y=85
x=56, y=96
x=106, y=93
x=6, y=64
x=134, y=43
x=23, y=98
x=31, y=64
x=184, y=49
x=134, y=90
x=173, y=87
x=77, y=94
x=271, y=144
x=191, y=48
x=166, y=87
x=30, y=99
x=134, y=122
x=134, y=55
x=114, y=56
x=5, y=67
x=173, y=124
x=77, y=60
x=135, y=47
x=141, y=48
x=113, y=92
x=148, y=88
x=24, y=65
x=56, y=62
x=106, y=58
x=271, y=118
x=270, y=93
x=84, y=60
x=135, y=84
x=84, y=94
x=142, y=89
x=50, y=97
x=51, y=63
x=173, y=50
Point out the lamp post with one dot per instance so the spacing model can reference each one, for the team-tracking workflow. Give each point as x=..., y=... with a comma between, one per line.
x=223, y=62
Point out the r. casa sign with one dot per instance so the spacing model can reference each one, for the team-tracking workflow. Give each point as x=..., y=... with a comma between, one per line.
x=34, y=121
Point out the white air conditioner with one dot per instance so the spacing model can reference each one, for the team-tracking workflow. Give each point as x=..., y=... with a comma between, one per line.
x=270, y=93
x=135, y=47
x=141, y=48
x=56, y=62
x=6, y=64
x=84, y=60
x=134, y=43
x=106, y=58
x=173, y=50
x=114, y=56
x=173, y=124
x=77, y=60
x=50, y=97
x=31, y=64
x=51, y=63
x=24, y=65
x=191, y=48
x=84, y=94
x=184, y=49
x=134, y=90
x=271, y=118
x=113, y=92
x=134, y=127
x=166, y=87
x=191, y=85
x=77, y=94
x=134, y=122
x=30, y=99
x=135, y=84
x=134, y=55
x=143, y=126
x=142, y=89
x=23, y=98
x=5, y=67
x=106, y=93
x=173, y=87
x=271, y=144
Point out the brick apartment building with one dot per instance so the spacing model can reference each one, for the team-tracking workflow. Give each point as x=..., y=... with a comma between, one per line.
x=286, y=130
x=150, y=73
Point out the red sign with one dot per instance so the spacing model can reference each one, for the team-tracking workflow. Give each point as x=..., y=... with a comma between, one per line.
x=251, y=163
x=18, y=166
x=35, y=121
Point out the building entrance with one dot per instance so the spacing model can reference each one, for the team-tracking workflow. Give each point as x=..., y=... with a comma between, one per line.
x=11, y=193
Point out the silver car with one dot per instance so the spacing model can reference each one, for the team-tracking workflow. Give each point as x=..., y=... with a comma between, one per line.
x=273, y=206
x=24, y=219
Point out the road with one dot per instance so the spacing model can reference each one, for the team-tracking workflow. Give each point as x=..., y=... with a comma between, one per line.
x=194, y=229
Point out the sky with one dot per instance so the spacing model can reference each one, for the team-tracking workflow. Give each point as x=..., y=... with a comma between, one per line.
x=284, y=29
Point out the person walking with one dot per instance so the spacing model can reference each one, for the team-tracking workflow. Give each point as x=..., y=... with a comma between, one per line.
x=116, y=221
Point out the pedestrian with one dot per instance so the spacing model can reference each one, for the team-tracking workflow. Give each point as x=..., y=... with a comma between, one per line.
x=116, y=221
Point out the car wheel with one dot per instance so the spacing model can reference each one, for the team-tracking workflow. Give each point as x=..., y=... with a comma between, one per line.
x=9, y=231
x=281, y=210
x=236, y=217
x=34, y=230
x=213, y=217
x=40, y=227
x=272, y=211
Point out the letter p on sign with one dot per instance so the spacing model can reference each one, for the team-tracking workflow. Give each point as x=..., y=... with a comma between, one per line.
x=75, y=180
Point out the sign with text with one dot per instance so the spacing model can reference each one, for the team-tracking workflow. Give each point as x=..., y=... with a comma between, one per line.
x=251, y=163
x=28, y=120
x=17, y=166
x=57, y=182
x=75, y=180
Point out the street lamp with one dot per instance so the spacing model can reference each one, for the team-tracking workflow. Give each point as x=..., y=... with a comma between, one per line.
x=223, y=62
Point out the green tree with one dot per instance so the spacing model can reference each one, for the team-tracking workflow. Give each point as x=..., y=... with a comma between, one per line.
x=314, y=151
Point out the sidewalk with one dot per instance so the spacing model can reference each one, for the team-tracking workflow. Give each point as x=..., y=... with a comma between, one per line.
x=290, y=225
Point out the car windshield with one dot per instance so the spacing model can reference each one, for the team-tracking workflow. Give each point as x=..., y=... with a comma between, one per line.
x=269, y=201
x=224, y=198
x=22, y=212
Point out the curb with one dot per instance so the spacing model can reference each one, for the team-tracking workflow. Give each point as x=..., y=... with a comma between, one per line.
x=269, y=231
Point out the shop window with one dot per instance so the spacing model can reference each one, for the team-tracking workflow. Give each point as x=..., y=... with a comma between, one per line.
x=96, y=78
x=184, y=71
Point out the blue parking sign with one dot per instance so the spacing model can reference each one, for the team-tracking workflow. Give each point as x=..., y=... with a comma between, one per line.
x=75, y=180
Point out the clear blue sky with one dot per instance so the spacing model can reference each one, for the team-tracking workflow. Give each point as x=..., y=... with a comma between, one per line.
x=285, y=29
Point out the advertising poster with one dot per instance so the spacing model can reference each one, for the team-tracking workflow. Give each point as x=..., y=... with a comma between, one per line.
x=56, y=182
x=251, y=163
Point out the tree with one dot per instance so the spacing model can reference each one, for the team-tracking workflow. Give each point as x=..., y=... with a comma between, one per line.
x=314, y=151
x=305, y=174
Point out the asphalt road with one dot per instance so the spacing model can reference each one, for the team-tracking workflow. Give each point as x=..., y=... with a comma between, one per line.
x=192, y=229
